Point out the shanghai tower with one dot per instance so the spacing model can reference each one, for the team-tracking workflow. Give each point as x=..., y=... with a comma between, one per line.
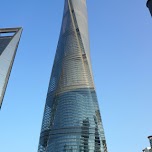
x=72, y=121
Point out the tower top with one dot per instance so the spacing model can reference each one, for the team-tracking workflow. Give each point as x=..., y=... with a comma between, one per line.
x=149, y=137
x=8, y=30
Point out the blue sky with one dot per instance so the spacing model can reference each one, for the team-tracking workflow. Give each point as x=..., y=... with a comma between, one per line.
x=121, y=51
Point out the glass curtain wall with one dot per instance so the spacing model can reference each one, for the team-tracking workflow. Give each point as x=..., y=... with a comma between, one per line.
x=72, y=121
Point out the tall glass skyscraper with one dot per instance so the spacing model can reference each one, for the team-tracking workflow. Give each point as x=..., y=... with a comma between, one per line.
x=72, y=121
x=9, y=40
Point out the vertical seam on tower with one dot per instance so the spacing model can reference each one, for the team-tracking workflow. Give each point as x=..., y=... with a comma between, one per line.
x=75, y=22
x=70, y=3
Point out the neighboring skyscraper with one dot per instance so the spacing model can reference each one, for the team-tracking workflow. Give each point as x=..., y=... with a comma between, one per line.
x=150, y=140
x=149, y=5
x=9, y=39
x=72, y=121
x=149, y=149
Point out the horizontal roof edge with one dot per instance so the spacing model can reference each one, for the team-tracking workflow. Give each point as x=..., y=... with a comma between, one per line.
x=7, y=30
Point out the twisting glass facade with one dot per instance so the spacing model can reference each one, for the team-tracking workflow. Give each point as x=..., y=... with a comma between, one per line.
x=72, y=121
x=9, y=39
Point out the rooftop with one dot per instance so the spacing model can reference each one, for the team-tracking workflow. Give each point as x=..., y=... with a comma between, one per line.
x=149, y=137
